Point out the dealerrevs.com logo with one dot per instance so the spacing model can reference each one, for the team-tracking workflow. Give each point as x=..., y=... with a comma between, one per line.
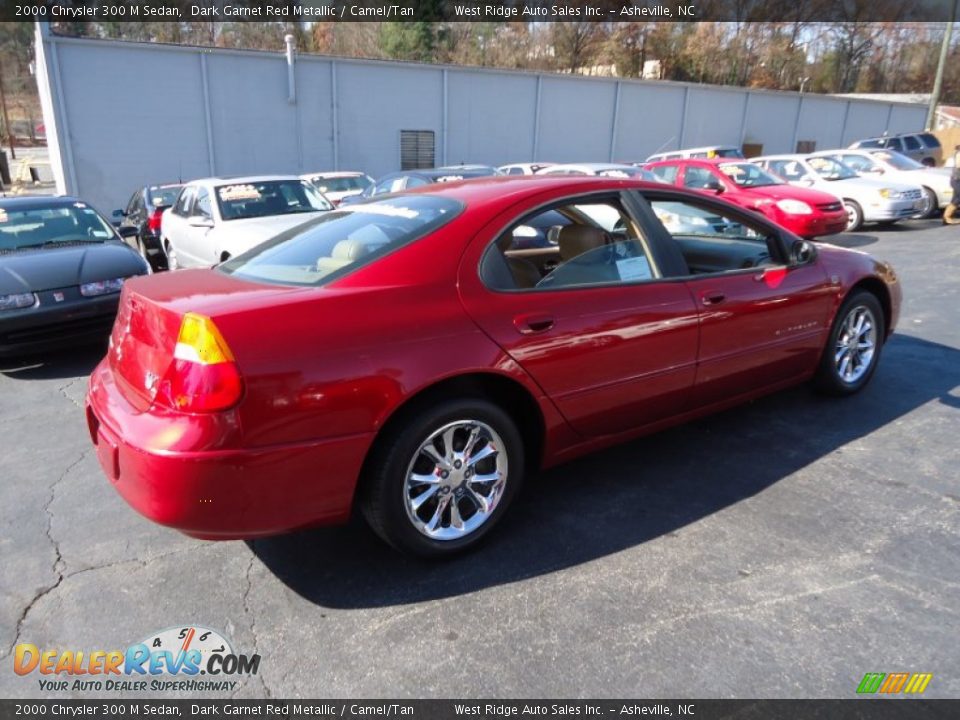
x=170, y=660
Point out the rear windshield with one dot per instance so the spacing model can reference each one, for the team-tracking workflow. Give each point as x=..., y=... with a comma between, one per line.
x=163, y=195
x=271, y=197
x=331, y=246
x=342, y=184
x=21, y=229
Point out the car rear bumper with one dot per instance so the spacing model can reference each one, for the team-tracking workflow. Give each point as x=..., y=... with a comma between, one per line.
x=217, y=493
x=52, y=325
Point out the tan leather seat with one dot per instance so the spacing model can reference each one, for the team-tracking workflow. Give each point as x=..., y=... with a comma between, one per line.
x=525, y=273
x=575, y=240
x=344, y=253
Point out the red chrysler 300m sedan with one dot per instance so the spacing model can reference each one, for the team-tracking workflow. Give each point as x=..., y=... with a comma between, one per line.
x=405, y=356
x=806, y=212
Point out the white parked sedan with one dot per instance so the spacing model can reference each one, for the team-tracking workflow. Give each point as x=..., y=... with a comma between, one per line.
x=339, y=185
x=866, y=199
x=215, y=219
x=891, y=165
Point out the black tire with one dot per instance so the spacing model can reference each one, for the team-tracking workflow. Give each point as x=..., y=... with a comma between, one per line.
x=384, y=491
x=854, y=215
x=887, y=223
x=828, y=378
x=931, y=202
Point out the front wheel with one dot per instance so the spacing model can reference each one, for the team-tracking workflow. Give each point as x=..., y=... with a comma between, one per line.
x=854, y=215
x=930, y=204
x=444, y=477
x=853, y=347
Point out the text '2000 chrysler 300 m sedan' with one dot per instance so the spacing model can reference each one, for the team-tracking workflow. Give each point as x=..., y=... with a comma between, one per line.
x=404, y=356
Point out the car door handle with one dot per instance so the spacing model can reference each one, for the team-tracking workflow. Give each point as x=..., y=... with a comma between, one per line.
x=712, y=297
x=532, y=324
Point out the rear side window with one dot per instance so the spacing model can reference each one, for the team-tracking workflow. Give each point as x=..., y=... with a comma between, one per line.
x=339, y=242
x=911, y=142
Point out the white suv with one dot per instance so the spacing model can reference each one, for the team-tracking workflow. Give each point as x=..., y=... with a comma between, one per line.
x=215, y=219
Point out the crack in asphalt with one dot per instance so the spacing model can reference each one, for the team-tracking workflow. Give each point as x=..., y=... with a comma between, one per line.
x=63, y=390
x=253, y=618
x=58, y=563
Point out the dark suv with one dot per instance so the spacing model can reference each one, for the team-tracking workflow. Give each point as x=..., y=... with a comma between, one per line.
x=922, y=147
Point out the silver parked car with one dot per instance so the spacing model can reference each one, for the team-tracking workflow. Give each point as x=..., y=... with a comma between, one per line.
x=890, y=165
x=923, y=147
x=865, y=199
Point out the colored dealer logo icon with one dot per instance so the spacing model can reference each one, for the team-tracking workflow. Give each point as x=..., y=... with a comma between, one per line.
x=893, y=683
x=151, y=664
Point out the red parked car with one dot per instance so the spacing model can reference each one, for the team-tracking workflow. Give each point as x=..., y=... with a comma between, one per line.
x=808, y=213
x=405, y=357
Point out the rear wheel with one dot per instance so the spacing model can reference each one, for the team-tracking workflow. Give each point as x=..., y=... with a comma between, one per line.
x=853, y=347
x=171, y=254
x=444, y=477
x=854, y=215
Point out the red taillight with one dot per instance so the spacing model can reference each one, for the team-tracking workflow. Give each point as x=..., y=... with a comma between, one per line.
x=153, y=222
x=203, y=376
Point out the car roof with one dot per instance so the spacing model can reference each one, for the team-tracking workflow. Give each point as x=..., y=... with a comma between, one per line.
x=790, y=156
x=509, y=189
x=37, y=202
x=334, y=174
x=700, y=161
x=240, y=179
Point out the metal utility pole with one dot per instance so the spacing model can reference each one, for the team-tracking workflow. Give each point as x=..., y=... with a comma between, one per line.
x=938, y=81
x=6, y=118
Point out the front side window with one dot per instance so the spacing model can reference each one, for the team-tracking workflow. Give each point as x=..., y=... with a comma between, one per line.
x=860, y=163
x=894, y=144
x=830, y=169
x=898, y=161
x=36, y=227
x=584, y=243
x=339, y=242
x=747, y=174
x=240, y=201
x=699, y=178
x=713, y=240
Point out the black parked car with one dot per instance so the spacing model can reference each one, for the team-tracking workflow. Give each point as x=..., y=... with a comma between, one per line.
x=407, y=179
x=143, y=215
x=62, y=266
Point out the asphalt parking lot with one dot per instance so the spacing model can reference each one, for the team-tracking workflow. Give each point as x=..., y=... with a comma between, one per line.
x=781, y=549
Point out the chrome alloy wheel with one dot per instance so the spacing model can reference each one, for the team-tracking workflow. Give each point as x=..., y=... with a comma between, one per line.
x=856, y=344
x=455, y=480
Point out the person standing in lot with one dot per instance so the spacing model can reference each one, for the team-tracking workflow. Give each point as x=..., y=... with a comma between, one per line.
x=949, y=213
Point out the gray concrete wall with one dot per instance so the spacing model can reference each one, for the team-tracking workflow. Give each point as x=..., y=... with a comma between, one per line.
x=126, y=114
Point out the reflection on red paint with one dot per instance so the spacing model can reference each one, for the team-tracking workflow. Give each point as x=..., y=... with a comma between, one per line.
x=774, y=276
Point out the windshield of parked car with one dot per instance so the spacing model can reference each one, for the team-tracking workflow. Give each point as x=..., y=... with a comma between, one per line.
x=898, y=161
x=749, y=175
x=831, y=169
x=239, y=201
x=163, y=195
x=39, y=226
x=341, y=241
x=342, y=184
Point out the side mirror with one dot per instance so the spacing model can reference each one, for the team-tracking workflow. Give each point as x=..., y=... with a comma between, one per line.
x=198, y=221
x=803, y=252
x=118, y=214
x=806, y=182
x=877, y=170
x=127, y=231
x=714, y=186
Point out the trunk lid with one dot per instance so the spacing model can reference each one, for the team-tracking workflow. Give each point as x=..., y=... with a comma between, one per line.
x=149, y=317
